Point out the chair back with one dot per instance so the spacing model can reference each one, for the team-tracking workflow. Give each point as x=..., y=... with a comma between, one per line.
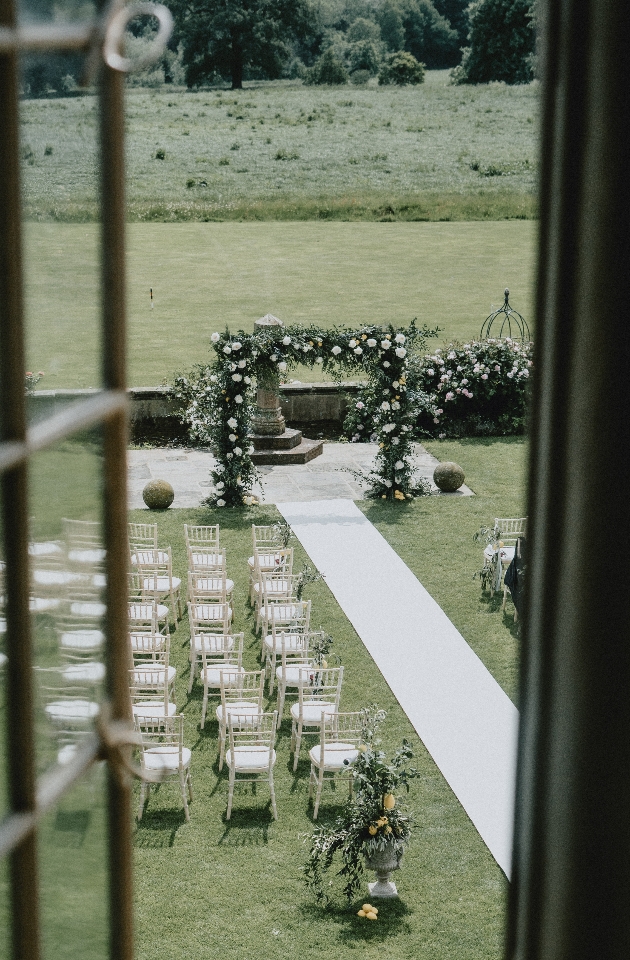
x=82, y=533
x=265, y=536
x=206, y=559
x=253, y=734
x=209, y=617
x=202, y=536
x=161, y=734
x=242, y=686
x=207, y=587
x=150, y=646
x=340, y=729
x=509, y=529
x=316, y=684
x=142, y=536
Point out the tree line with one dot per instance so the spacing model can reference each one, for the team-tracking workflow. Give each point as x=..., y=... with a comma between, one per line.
x=324, y=41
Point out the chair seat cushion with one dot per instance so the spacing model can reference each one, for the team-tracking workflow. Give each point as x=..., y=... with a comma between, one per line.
x=211, y=642
x=54, y=578
x=82, y=639
x=84, y=672
x=152, y=711
x=153, y=675
x=250, y=759
x=241, y=707
x=292, y=674
x=43, y=604
x=291, y=641
x=212, y=611
x=71, y=712
x=149, y=556
x=266, y=562
x=88, y=608
x=212, y=585
x=507, y=553
x=312, y=712
x=336, y=755
x=165, y=759
x=45, y=549
x=160, y=584
x=212, y=674
x=91, y=555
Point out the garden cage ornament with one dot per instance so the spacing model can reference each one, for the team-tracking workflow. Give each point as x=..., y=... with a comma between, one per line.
x=513, y=324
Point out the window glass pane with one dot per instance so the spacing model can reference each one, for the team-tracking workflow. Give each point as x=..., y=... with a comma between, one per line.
x=73, y=873
x=55, y=11
x=59, y=131
x=67, y=587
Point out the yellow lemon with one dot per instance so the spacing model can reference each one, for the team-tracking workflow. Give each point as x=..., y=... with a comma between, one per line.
x=389, y=801
x=381, y=822
x=360, y=913
x=367, y=907
x=372, y=830
x=388, y=829
x=362, y=748
x=324, y=664
x=371, y=916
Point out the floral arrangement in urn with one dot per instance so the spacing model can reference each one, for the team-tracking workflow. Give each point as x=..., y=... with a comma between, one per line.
x=373, y=822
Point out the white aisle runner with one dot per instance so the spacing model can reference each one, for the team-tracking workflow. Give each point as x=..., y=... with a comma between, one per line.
x=465, y=720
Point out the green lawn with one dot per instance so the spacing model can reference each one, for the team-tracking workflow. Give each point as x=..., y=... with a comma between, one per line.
x=206, y=275
x=193, y=880
x=284, y=151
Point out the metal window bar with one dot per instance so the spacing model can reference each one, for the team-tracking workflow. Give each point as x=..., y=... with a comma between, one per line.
x=29, y=799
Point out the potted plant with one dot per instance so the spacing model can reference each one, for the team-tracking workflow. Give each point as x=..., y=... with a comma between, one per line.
x=373, y=830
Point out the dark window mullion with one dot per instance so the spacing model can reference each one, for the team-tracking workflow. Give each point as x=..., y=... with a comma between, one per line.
x=19, y=705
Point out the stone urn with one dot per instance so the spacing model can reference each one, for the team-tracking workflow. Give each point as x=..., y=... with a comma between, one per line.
x=383, y=863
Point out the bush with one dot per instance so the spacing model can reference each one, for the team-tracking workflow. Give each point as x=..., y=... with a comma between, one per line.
x=401, y=68
x=328, y=69
x=360, y=78
x=363, y=55
x=475, y=389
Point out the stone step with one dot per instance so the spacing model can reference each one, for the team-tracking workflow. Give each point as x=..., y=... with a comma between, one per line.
x=281, y=441
x=306, y=450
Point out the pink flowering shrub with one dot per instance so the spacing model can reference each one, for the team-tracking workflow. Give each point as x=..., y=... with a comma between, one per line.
x=480, y=387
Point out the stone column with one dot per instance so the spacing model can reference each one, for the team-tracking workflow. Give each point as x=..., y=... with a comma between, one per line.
x=267, y=420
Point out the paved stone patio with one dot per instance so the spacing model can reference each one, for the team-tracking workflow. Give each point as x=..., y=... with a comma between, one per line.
x=325, y=478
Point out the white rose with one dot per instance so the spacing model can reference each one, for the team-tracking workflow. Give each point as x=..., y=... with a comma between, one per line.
x=236, y=345
x=352, y=343
x=219, y=484
x=401, y=352
x=360, y=405
x=250, y=448
x=319, y=360
x=247, y=380
x=273, y=357
x=387, y=483
x=220, y=503
x=227, y=349
x=358, y=350
x=398, y=465
x=232, y=438
x=336, y=350
x=385, y=405
x=213, y=378
x=386, y=363
x=306, y=347
x=282, y=366
x=215, y=337
x=395, y=440
x=219, y=468
x=431, y=373
x=371, y=342
x=237, y=451
x=236, y=377
x=229, y=456
x=242, y=363
x=232, y=423
x=385, y=344
x=238, y=398
x=399, y=338
x=286, y=341
x=239, y=482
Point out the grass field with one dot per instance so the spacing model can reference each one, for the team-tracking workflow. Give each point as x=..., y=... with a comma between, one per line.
x=207, y=275
x=191, y=879
x=282, y=151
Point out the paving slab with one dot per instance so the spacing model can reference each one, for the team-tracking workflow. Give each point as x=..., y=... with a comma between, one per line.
x=328, y=477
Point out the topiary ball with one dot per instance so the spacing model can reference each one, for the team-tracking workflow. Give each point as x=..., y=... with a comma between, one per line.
x=158, y=495
x=448, y=477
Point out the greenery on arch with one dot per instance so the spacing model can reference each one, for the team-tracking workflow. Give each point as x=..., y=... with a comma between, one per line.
x=219, y=397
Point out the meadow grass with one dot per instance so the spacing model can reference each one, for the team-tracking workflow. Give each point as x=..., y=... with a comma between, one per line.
x=205, y=276
x=282, y=151
x=193, y=880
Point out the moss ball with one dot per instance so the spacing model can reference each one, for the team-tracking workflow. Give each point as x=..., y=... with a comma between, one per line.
x=158, y=495
x=448, y=477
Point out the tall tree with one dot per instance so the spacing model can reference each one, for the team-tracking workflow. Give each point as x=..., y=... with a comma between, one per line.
x=228, y=37
x=502, y=42
x=455, y=12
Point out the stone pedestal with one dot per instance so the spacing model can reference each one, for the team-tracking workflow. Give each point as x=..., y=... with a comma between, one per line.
x=267, y=420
